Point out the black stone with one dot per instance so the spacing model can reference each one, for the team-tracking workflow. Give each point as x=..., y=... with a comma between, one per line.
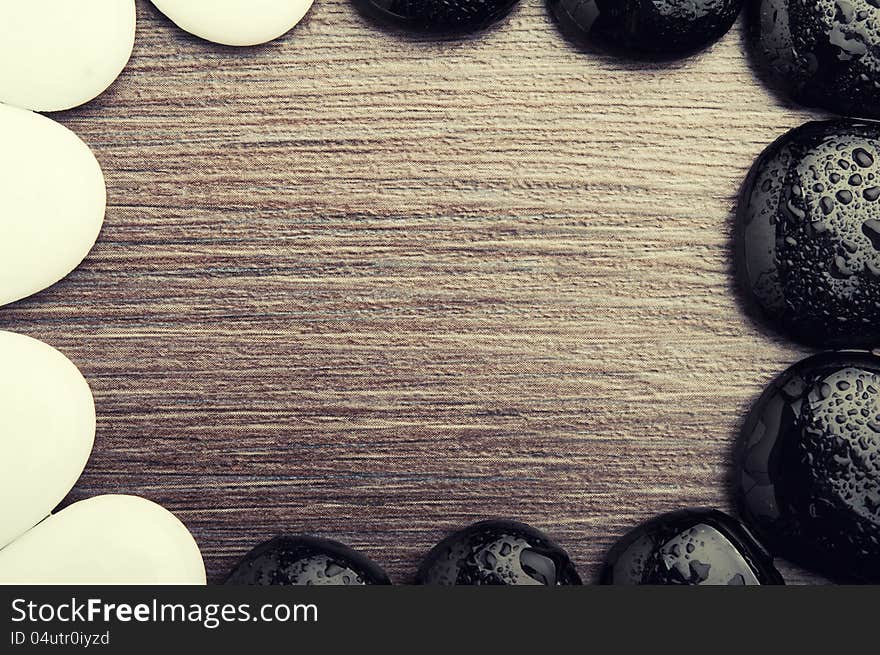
x=497, y=553
x=305, y=561
x=808, y=234
x=655, y=29
x=822, y=53
x=689, y=547
x=808, y=465
x=445, y=16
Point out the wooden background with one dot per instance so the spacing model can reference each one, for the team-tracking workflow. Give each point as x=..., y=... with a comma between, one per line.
x=376, y=287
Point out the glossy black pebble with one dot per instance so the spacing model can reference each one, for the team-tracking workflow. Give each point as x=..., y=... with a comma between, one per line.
x=689, y=547
x=305, y=561
x=446, y=16
x=497, y=553
x=656, y=29
x=808, y=234
x=808, y=472
x=822, y=53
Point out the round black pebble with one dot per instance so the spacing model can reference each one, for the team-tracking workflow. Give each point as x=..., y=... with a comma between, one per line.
x=442, y=16
x=808, y=473
x=808, y=234
x=689, y=547
x=648, y=29
x=497, y=553
x=822, y=53
x=305, y=561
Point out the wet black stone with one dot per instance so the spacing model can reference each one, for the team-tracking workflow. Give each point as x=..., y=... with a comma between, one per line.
x=808, y=465
x=444, y=16
x=822, y=53
x=806, y=234
x=497, y=553
x=305, y=560
x=689, y=547
x=657, y=29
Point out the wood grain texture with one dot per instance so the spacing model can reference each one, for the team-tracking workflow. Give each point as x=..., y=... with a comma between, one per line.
x=376, y=287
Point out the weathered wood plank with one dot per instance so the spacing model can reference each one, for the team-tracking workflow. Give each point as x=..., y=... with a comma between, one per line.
x=376, y=287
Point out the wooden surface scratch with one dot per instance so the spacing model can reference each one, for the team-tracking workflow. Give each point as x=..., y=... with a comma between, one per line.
x=376, y=287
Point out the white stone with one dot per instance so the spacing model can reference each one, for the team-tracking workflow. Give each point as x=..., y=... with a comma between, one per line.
x=235, y=22
x=47, y=428
x=58, y=54
x=105, y=540
x=52, y=202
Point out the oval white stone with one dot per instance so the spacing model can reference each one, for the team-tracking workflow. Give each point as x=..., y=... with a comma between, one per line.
x=52, y=201
x=235, y=22
x=105, y=540
x=58, y=54
x=47, y=428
